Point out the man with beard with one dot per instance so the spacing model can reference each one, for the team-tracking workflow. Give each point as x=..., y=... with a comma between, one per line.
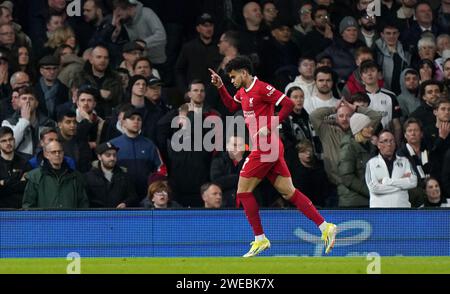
x=91, y=22
x=108, y=185
x=12, y=171
x=430, y=92
x=98, y=73
x=368, y=25
x=324, y=96
x=409, y=100
x=322, y=33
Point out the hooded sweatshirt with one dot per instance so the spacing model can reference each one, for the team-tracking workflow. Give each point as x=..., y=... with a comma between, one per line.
x=408, y=101
x=147, y=26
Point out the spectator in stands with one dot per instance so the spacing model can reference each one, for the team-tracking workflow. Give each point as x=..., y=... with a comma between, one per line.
x=6, y=17
x=28, y=122
x=47, y=136
x=429, y=92
x=98, y=73
x=252, y=35
x=50, y=91
x=108, y=185
x=304, y=26
x=278, y=55
x=8, y=38
x=25, y=62
x=198, y=55
x=427, y=48
x=446, y=67
x=435, y=197
x=322, y=33
x=75, y=144
x=437, y=136
x=61, y=36
x=308, y=174
x=269, y=12
x=342, y=51
x=89, y=123
x=418, y=154
x=70, y=65
x=354, y=83
x=405, y=15
x=112, y=127
x=355, y=152
x=427, y=71
x=388, y=176
x=54, y=184
x=331, y=132
x=12, y=171
x=143, y=66
x=9, y=103
x=131, y=51
x=306, y=80
x=297, y=127
x=424, y=23
x=93, y=17
x=211, y=195
x=324, y=96
x=225, y=169
x=443, y=17
x=381, y=99
x=391, y=56
x=368, y=24
x=409, y=99
x=142, y=23
x=137, y=153
x=159, y=196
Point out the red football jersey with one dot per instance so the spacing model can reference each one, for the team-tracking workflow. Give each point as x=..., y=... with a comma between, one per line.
x=258, y=103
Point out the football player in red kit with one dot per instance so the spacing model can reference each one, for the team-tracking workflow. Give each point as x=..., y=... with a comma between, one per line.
x=258, y=100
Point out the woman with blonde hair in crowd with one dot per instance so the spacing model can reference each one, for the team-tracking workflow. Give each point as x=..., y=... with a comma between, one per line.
x=61, y=36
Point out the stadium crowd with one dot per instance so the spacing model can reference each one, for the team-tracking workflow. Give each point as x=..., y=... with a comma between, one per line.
x=90, y=105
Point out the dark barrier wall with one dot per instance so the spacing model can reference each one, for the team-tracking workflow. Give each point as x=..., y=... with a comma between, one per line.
x=190, y=233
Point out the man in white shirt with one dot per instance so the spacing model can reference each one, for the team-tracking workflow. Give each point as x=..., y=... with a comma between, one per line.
x=388, y=176
x=324, y=96
x=306, y=81
x=381, y=99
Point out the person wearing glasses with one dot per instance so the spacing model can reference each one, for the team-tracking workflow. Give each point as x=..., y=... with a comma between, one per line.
x=389, y=176
x=304, y=26
x=54, y=185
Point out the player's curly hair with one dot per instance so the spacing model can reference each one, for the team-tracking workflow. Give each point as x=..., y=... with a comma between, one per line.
x=240, y=63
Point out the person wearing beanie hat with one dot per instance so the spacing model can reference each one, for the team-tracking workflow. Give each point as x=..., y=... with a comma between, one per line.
x=137, y=86
x=355, y=151
x=347, y=22
x=358, y=122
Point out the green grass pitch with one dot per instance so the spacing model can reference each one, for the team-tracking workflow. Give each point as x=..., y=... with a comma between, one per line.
x=231, y=265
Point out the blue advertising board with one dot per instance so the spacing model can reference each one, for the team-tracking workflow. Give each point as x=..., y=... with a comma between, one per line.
x=198, y=233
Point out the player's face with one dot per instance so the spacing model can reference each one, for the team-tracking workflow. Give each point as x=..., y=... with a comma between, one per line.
x=237, y=78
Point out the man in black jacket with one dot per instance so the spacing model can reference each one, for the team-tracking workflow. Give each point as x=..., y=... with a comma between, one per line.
x=108, y=185
x=12, y=170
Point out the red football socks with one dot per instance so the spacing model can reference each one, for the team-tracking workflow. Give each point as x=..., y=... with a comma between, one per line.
x=251, y=209
x=306, y=207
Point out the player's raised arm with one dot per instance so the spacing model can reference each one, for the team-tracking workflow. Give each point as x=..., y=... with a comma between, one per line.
x=226, y=98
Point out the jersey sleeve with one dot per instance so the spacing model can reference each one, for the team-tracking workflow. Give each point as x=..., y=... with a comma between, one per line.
x=237, y=97
x=271, y=95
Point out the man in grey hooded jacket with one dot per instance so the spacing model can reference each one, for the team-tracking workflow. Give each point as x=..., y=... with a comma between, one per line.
x=408, y=99
x=141, y=23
